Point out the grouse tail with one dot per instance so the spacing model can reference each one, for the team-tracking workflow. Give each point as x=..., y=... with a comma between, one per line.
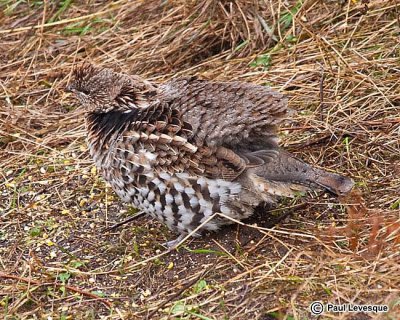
x=286, y=169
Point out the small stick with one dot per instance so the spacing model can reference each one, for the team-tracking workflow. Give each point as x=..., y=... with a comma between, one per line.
x=115, y=226
x=71, y=288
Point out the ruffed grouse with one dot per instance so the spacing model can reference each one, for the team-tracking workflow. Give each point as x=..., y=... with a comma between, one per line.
x=191, y=152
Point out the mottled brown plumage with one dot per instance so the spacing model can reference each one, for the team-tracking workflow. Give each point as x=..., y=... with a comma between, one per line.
x=188, y=149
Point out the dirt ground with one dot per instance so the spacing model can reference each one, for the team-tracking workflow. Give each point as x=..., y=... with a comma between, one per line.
x=339, y=64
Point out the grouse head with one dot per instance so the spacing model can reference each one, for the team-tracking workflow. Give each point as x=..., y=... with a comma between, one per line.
x=101, y=90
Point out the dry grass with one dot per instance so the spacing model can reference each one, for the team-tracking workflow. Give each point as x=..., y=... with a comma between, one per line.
x=339, y=63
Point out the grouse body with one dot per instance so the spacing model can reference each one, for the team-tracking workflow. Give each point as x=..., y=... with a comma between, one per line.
x=191, y=153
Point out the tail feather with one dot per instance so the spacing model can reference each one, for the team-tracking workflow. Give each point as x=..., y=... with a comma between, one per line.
x=287, y=169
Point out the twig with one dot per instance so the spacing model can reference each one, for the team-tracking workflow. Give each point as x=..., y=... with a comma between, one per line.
x=71, y=288
x=115, y=226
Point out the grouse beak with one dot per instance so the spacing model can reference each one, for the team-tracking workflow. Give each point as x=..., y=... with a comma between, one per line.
x=69, y=88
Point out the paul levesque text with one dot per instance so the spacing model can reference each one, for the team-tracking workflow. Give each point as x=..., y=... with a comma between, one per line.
x=347, y=307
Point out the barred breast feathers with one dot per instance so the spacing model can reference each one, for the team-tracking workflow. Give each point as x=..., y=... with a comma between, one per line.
x=157, y=132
